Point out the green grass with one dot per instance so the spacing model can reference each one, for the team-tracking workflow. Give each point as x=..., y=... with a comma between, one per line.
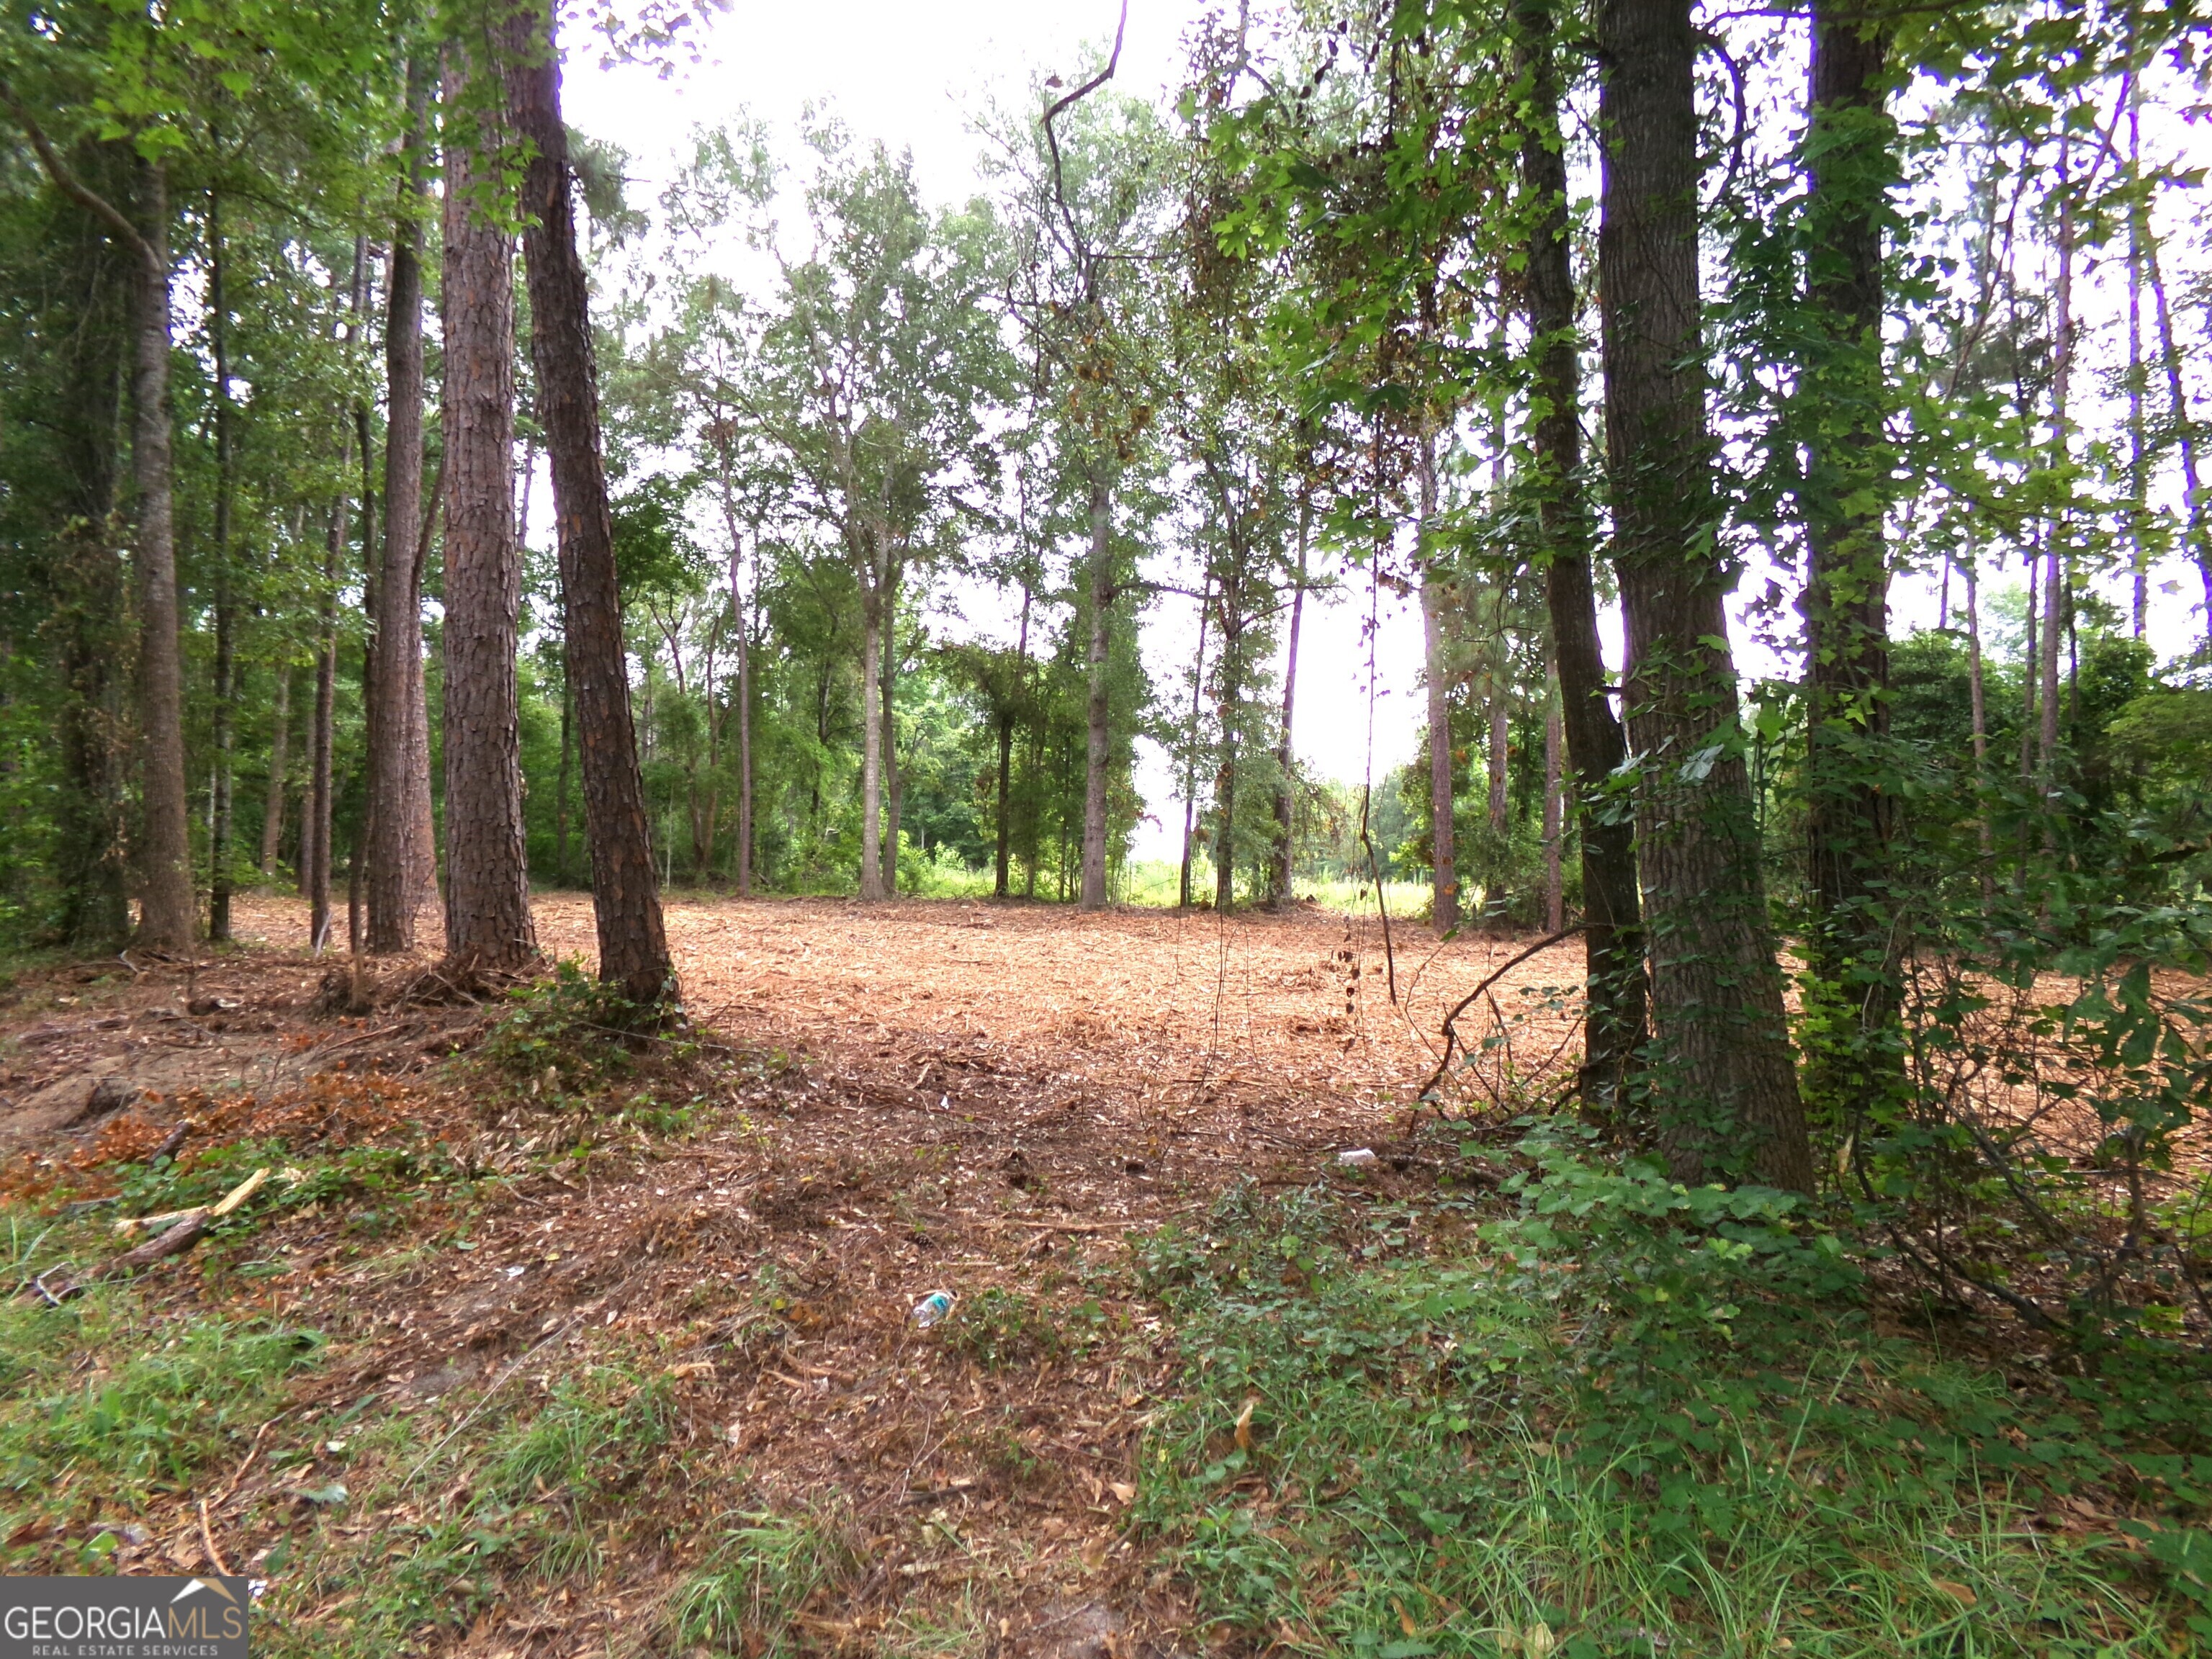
x=1489, y=1441
x=764, y=1569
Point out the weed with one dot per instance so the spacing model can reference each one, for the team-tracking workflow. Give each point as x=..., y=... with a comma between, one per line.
x=763, y=1571
x=1641, y=1418
x=568, y=1032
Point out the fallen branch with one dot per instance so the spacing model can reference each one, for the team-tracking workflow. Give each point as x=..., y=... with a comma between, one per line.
x=179, y=1238
x=1451, y=1028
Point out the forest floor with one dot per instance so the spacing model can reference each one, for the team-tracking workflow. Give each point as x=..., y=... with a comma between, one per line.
x=539, y=1342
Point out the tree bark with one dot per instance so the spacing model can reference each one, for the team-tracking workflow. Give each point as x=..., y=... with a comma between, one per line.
x=389, y=881
x=2054, y=553
x=222, y=715
x=1555, y=908
x=1727, y=1093
x=272, y=807
x=892, y=792
x=1443, y=862
x=488, y=922
x=1612, y=939
x=1097, y=732
x=741, y=613
x=1852, y=943
x=1002, y=868
x=626, y=901
x=871, y=745
x=1279, y=865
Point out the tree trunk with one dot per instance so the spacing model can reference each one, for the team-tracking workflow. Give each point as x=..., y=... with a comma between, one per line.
x=1555, y=907
x=222, y=715
x=1279, y=865
x=1612, y=937
x=887, y=688
x=1003, y=866
x=2054, y=553
x=741, y=613
x=1224, y=778
x=272, y=808
x=167, y=911
x=1190, y=762
x=1444, y=864
x=633, y=942
x=488, y=922
x=1098, y=732
x=1727, y=1094
x=561, y=786
x=390, y=879
x=871, y=746
x=1852, y=944
x=1978, y=708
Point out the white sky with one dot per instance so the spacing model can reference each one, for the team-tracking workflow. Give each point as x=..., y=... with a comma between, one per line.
x=907, y=71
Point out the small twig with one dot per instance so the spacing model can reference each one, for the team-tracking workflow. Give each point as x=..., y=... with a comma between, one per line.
x=1451, y=1030
x=207, y=1538
x=245, y=1462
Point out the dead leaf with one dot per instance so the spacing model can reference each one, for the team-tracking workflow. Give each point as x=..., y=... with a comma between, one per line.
x=1244, y=1424
x=1958, y=1593
x=1122, y=1490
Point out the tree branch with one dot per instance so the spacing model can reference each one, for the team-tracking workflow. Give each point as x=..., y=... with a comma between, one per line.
x=71, y=187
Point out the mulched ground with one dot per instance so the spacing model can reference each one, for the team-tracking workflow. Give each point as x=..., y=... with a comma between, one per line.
x=919, y=1095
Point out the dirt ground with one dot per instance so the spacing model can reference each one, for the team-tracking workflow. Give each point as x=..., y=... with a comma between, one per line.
x=935, y=1096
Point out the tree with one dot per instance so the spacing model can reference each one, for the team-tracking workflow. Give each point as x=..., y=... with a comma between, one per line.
x=398, y=746
x=1726, y=1091
x=1613, y=985
x=625, y=896
x=488, y=923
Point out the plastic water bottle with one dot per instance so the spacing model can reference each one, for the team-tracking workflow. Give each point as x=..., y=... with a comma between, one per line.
x=932, y=1308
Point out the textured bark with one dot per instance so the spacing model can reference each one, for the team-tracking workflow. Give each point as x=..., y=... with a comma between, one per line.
x=391, y=880
x=892, y=792
x=1279, y=866
x=1613, y=939
x=1443, y=858
x=272, y=805
x=1098, y=732
x=222, y=715
x=1726, y=1092
x=626, y=899
x=1002, y=867
x=1555, y=907
x=488, y=923
x=315, y=824
x=1852, y=941
x=92, y=612
x=872, y=747
x=740, y=613
x=167, y=913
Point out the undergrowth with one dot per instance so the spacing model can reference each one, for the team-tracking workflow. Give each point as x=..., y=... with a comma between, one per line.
x=1633, y=1419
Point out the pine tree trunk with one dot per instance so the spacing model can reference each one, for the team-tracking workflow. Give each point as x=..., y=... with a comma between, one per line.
x=315, y=828
x=168, y=916
x=1555, y=907
x=1727, y=1093
x=1279, y=865
x=740, y=613
x=1224, y=778
x=223, y=714
x=892, y=795
x=871, y=746
x=389, y=881
x=1097, y=732
x=272, y=807
x=488, y=922
x=1852, y=943
x=1613, y=939
x=626, y=901
x=1444, y=859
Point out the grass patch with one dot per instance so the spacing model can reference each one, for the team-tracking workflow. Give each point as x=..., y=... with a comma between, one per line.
x=754, y=1593
x=1630, y=1421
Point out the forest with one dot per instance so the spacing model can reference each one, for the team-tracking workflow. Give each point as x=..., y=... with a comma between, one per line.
x=629, y=774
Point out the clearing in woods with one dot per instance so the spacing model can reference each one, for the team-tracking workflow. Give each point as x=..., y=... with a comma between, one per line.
x=703, y=1266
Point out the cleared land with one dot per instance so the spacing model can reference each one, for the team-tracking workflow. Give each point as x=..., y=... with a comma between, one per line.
x=895, y=1099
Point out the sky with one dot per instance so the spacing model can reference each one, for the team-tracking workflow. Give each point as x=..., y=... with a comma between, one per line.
x=909, y=72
